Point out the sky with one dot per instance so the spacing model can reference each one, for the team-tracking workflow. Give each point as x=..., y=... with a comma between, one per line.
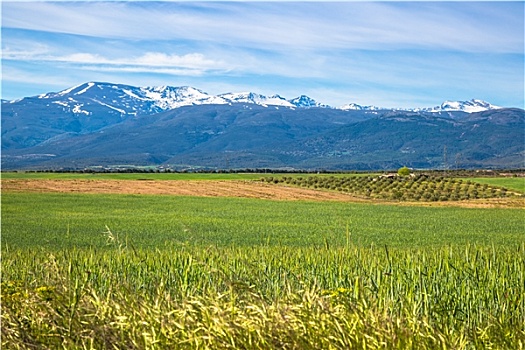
x=387, y=54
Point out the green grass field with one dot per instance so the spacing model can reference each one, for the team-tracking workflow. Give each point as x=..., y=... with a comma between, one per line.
x=156, y=176
x=57, y=221
x=511, y=183
x=162, y=272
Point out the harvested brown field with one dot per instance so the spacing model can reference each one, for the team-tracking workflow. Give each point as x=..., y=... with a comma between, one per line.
x=229, y=188
x=222, y=188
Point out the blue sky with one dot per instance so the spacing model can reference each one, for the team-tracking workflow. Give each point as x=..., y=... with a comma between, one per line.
x=388, y=54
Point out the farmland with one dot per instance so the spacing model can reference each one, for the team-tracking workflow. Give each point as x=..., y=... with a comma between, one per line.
x=515, y=183
x=419, y=187
x=98, y=270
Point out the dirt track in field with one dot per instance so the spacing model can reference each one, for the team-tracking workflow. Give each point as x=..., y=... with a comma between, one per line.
x=225, y=188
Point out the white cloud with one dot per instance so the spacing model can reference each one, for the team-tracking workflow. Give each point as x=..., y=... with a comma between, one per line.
x=143, y=69
x=193, y=60
x=339, y=49
x=194, y=63
x=477, y=26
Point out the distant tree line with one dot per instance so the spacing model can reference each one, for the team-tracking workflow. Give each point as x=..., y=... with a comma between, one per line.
x=130, y=170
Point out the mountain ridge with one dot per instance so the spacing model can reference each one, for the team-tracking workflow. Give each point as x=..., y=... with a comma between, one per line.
x=182, y=127
x=151, y=99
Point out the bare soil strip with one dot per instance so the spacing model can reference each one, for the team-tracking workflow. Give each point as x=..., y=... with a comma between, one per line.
x=224, y=188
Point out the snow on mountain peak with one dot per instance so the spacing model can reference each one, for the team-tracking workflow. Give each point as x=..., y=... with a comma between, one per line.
x=239, y=97
x=356, y=107
x=304, y=101
x=86, y=87
x=133, y=100
x=168, y=97
x=251, y=97
x=471, y=106
x=75, y=90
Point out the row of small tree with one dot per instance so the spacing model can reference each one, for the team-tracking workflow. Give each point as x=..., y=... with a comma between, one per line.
x=418, y=187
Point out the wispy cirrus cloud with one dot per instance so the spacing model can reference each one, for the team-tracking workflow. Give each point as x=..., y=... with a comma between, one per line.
x=464, y=26
x=375, y=52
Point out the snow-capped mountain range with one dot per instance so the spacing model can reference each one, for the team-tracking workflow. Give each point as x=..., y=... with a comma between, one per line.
x=131, y=100
x=105, y=124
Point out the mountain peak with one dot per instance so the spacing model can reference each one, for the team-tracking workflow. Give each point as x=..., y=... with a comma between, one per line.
x=75, y=90
x=169, y=97
x=158, y=98
x=356, y=107
x=471, y=106
x=304, y=101
x=252, y=97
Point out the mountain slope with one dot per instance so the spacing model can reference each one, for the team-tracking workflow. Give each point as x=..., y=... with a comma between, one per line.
x=197, y=129
x=244, y=136
x=105, y=124
x=394, y=139
x=91, y=106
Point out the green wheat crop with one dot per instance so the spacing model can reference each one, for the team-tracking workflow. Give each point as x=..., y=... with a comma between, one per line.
x=162, y=272
x=264, y=298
